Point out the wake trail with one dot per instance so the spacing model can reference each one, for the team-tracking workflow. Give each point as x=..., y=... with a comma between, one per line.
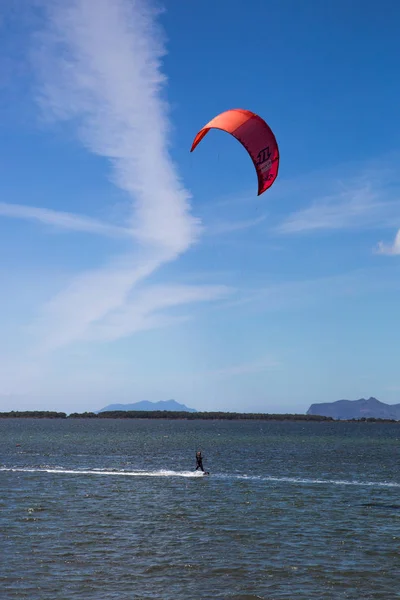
x=198, y=474
x=305, y=480
x=137, y=473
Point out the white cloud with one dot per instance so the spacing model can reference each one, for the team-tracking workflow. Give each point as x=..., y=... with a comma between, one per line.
x=99, y=66
x=390, y=249
x=144, y=310
x=62, y=220
x=89, y=298
x=352, y=196
x=355, y=208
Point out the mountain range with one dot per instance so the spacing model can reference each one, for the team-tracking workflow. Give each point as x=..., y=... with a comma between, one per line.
x=356, y=409
x=145, y=405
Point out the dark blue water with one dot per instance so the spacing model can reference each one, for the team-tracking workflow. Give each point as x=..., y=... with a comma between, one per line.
x=112, y=509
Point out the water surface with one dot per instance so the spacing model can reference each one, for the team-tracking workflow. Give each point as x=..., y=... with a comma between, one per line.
x=112, y=509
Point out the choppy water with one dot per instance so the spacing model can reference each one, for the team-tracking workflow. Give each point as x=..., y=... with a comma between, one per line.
x=111, y=509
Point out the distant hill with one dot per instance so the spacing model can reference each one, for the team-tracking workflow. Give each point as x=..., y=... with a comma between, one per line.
x=145, y=405
x=356, y=409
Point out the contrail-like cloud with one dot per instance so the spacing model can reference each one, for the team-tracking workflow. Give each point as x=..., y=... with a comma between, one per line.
x=99, y=67
x=62, y=220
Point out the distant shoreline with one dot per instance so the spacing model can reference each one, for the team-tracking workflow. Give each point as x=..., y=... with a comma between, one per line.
x=187, y=416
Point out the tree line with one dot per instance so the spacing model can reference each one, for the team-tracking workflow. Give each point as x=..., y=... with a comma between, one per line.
x=188, y=416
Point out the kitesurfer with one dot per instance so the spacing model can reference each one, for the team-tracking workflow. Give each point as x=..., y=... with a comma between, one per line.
x=199, y=461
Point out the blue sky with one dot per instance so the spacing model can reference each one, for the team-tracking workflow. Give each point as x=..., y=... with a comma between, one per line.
x=133, y=269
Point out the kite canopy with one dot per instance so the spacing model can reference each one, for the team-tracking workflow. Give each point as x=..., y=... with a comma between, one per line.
x=255, y=135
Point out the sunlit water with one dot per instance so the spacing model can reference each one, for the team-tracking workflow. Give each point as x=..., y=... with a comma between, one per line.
x=112, y=509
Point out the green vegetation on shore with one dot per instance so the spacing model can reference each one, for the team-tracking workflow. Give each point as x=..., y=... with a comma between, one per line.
x=33, y=414
x=166, y=414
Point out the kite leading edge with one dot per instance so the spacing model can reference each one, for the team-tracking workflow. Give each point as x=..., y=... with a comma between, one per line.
x=255, y=135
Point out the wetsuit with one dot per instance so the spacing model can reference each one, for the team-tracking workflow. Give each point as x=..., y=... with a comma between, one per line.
x=199, y=461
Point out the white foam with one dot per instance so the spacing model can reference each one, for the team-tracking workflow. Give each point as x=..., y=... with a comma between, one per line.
x=161, y=473
x=320, y=481
x=194, y=474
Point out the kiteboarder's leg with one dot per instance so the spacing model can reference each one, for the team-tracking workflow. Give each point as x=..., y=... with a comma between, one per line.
x=199, y=464
x=199, y=460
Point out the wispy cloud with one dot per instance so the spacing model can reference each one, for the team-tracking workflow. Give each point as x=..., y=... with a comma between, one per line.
x=390, y=249
x=368, y=197
x=99, y=66
x=62, y=220
x=147, y=309
x=355, y=208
